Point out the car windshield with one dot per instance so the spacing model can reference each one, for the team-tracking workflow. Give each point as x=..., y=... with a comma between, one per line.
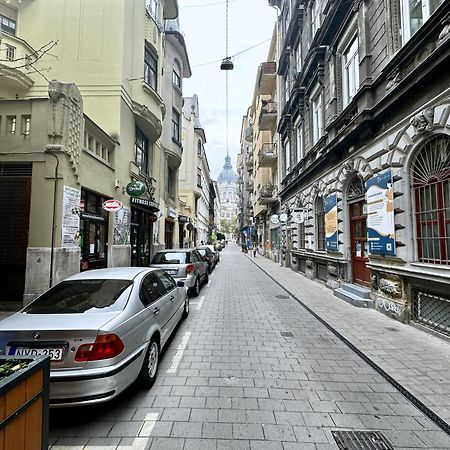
x=202, y=251
x=82, y=296
x=170, y=258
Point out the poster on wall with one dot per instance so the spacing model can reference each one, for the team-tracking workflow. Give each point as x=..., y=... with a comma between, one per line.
x=331, y=223
x=380, y=214
x=70, y=228
x=122, y=226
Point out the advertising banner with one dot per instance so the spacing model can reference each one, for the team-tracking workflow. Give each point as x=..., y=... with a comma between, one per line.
x=331, y=223
x=122, y=226
x=380, y=214
x=70, y=228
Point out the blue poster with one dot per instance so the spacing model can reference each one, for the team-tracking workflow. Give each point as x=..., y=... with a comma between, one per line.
x=380, y=214
x=331, y=223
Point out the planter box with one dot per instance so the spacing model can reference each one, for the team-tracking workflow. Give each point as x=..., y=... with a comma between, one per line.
x=24, y=405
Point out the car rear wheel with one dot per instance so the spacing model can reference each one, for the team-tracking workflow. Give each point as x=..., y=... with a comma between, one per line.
x=149, y=369
x=195, y=290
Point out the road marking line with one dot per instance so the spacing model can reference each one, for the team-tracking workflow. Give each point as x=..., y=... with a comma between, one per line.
x=179, y=353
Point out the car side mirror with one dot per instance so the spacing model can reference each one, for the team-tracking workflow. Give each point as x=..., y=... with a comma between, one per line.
x=180, y=283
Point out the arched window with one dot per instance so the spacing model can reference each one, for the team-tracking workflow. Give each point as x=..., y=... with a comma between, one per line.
x=430, y=173
x=199, y=148
x=356, y=189
x=320, y=224
x=176, y=75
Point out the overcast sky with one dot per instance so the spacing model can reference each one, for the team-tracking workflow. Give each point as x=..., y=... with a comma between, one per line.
x=203, y=23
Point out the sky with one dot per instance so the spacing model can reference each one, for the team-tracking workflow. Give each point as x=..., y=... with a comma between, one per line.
x=250, y=22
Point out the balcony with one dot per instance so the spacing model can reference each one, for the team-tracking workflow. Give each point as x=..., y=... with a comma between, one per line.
x=268, y=156
x=267, y=194
x=249, y=186
x=17, y=56
x=268, y=116
x=249, y=160
x=267, y=78
x=248, y=134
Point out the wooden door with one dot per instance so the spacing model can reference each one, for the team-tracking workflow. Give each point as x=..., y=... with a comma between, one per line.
x=359, y=244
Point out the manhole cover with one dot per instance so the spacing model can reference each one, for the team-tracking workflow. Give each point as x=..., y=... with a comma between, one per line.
x=282, y=296
x=361, y=440
x=286, y=334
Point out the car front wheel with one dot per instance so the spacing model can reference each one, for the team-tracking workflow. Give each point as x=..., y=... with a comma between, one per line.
x=149, y=369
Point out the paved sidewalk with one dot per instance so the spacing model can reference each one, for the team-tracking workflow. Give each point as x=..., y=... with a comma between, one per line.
x=417, y=360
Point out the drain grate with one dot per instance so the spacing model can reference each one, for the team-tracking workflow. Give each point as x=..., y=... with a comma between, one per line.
x=282, y=296
x=286, y=334
x=361, y=440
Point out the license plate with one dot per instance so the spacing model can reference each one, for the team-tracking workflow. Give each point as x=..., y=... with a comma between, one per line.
x=55, y=353
x=172, y=272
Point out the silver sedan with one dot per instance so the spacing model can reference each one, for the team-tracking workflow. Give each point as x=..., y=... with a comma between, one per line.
x=102, y=329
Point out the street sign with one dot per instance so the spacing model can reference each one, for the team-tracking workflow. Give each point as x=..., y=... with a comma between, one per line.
x=112, y=205
x=275, y=219
x=283, y=217
x=135, y=188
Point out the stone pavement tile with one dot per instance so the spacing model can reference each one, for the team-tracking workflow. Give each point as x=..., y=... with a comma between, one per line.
x=310, y=434
x=351, y=407
x=289, y=418
x=217, y=430
x=297, y=405
x=197, y=381
x=102, y=444
x=183, y=391
x=72, y=443
x=175, y=414
x=317, y=420
x=66, y=431
x=298, y=446
x=166, y=444
x=166, y=401
x=400, y=439
x=258, y=392
x=119, y=414
x=232, y=415
x=229, y=444
x=271, y=404
x=207, y=391
x=96, y=429
x=285, y=394
x=125, y=429
x=204, y=415
x=262, y=417
x=435, y=438
x=379, y=408
x=324, y=406
x=147, y=414
x=156, y=429
x=247, y=431
x=217, y=402
x=192, y=402
x=187, y=430
x=279, y=433
x=200, y=444
x=245, y=403
x=347, y=421
x=265, y=445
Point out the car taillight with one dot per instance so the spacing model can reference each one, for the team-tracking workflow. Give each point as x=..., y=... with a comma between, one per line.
x=190, y=268
x=105, y=346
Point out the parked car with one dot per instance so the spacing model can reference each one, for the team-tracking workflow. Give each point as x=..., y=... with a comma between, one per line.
x=218, y=246
x=215, y=252
x=102, y=329
x=208, y=256
x=185, y=264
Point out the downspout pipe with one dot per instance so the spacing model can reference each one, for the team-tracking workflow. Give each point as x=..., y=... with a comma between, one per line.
x=52, y=249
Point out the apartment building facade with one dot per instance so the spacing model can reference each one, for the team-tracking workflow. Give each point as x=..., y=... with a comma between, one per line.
x=81, y=118
x=364, y=131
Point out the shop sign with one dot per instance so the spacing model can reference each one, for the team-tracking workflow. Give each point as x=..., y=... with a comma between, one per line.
x=112, y=205
x=283, y=217
x=135, y=188
x=331, y=223
x=171, y=213
x=183, y=219
x=190, y=227
x=145, y=203
x=275, y=219
x=121, y=234
x=91, y=216
x=71, y=217
x=380, y=214
x=298, y=216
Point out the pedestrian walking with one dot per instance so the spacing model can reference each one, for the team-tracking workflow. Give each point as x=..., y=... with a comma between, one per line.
x=255, y=249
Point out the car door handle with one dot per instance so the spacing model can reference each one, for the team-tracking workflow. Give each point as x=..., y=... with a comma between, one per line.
x=172, y=297
x=156, y=311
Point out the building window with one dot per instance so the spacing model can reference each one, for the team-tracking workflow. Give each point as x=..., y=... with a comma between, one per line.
x=414, y=13
x=150, y=68
x=199, y=179
x=11, y=123
x=199, y=148
x=8, y=25
x=317, y=118
x=141, y=152
x=301, y=235
x=350, y=72
x=320, y=224
x=287, y=156
x=10, y=53
x=431, y=187
x=299, y=142
x=171, y=180
x=176, y=125
x=26, y=125
x=152, y=7
x=176, y=77
x=315, y=18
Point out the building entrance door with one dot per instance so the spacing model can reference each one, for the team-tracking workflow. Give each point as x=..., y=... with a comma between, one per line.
x=359, y=244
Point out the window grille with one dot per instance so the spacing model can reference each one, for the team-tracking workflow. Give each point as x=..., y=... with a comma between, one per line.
x=320, y=224
x=430, y=175
x=432, y=311
x=356, y=188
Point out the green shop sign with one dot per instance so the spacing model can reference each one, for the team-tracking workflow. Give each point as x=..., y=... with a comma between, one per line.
x=135, y=188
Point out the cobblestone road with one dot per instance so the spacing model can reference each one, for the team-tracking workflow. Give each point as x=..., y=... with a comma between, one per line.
x=250, y=369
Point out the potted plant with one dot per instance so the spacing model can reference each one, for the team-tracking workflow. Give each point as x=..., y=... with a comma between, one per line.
x=24, y=402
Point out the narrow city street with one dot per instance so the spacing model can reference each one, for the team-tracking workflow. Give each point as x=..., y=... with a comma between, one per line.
x=252, y=368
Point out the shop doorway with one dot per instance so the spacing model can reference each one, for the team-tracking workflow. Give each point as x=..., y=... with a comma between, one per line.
x=140, y=237
x=15, y=194
x=168, y=234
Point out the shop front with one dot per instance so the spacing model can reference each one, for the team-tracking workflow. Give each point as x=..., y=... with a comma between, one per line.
x=143, y=216
x=93, y=231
